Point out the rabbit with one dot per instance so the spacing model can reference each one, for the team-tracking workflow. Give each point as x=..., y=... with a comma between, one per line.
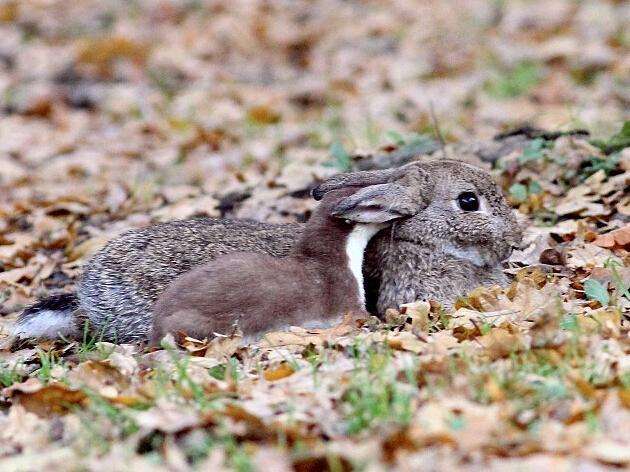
x=317, y=284
x=462, y=231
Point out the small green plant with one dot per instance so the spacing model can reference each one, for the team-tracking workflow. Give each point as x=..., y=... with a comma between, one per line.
x=570, y=323
x=592, y=422
x=118, y=416
x=185, y=383
x=340, y=158
x=516, y=82
x=218, y=371
x=594, y=164
x=456, y=422
x=615, y=143
x=534, y=151
x=90, y=344
x=9, y=375
x=233, y=370
x=621, y=289
x=550, y=388
x=595, y=290
x=520, y=192
x=48, y=360
x=396, y=138
x=411, y=139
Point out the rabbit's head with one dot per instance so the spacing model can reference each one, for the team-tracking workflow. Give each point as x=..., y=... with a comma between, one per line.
x=461, y=211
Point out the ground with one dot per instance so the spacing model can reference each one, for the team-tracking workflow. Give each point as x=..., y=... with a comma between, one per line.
x=116, y=115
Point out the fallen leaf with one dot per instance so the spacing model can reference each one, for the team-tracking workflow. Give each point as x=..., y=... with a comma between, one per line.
x=419, y=313
x=609, y=452
x=616, y=238
x=279, y=372
x=44, y=400
x=499, y=342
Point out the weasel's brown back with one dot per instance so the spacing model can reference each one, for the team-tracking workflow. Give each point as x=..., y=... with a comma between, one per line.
x=255, y=292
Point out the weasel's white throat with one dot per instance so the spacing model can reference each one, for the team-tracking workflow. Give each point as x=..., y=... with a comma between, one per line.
x=355, y=248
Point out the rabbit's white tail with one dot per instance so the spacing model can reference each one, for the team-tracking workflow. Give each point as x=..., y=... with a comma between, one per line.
x=50, y=318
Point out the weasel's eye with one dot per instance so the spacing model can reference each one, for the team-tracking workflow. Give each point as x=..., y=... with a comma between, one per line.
x=468, y=201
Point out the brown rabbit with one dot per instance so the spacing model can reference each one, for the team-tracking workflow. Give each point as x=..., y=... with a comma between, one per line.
x=314, y=286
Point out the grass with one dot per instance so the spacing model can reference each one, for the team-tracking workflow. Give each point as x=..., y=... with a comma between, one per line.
x=9, y=375
x=375, y=394
x=615, y=143
x=515, y=82
x=104, y=422
x=185, y=384
x=48, y=360
x=199, y=446
x=118, y=416
x=621, y=289
x=91, y=343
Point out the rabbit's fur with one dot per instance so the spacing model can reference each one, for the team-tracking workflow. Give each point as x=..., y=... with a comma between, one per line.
x=439, y=253
x=442, y=251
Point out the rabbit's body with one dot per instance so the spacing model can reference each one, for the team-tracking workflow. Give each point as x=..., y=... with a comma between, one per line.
x=440, y=253
x=393, y=274
x=122, y=281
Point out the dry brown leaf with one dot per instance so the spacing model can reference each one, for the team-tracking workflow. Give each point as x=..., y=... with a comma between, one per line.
x=406, y=341
x=500, y=342
x=87, y=248
x=419, y=313
x=14, y=275
x=19, y=243
x=204, y=205
x=617, y=238
x=100, y=378
x=587, y=256
x=223, y=347
x=168, y=418
x=44, y=400
x=287, y=338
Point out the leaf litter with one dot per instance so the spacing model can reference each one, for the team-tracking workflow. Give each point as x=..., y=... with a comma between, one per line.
x=117, y=116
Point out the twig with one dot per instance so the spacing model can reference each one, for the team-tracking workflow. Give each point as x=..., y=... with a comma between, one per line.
x=436, y=128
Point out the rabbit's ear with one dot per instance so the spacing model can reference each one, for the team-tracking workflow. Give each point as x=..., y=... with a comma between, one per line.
x=356, y=179
x=411, y=174
x=377, y=204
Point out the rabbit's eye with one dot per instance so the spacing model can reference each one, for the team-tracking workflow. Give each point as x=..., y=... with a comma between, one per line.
x=468, y=201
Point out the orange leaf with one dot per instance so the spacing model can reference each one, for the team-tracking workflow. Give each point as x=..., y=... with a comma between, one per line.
x=617, y=238
x=624, y=396
x=279, y=372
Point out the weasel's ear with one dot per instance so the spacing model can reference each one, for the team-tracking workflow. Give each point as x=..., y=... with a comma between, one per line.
x=377, y=204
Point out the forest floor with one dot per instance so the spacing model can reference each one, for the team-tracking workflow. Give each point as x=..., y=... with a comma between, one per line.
x=116, y=115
